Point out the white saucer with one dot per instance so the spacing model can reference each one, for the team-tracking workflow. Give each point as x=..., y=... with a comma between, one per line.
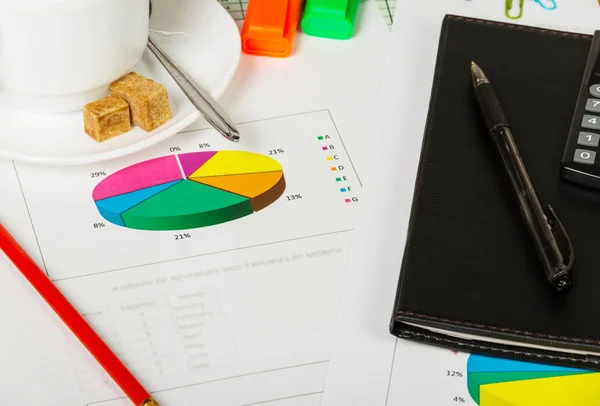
x=209, y=50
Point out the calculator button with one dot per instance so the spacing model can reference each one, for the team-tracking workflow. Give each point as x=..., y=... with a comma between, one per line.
x=592, y=105
x=591, y=122
x=588, y=139
x=595, y=90
x=583, y=156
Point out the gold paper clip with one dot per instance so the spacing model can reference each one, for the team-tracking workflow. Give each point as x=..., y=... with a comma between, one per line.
x=508, y=8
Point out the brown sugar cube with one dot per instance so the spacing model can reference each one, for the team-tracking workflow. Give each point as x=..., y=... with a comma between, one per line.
x=148, y=100
x=106, y=118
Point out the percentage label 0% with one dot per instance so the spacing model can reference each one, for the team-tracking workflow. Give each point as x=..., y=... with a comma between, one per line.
x=99, y=225
x=276, y=151
x=456, y=374
x=183, y=236
x=293, y=197
x=459, y=399
x=204, y=145
x=97, y=174
x=175, y=149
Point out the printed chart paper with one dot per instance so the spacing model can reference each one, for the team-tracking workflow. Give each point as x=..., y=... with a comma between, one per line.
x=197, y=280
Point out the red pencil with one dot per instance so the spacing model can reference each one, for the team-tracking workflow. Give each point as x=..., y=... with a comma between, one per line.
x=74, y=321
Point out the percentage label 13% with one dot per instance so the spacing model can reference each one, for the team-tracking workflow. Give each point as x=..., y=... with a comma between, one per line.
x=184, y=236
x=98, y=174
x=293, y=197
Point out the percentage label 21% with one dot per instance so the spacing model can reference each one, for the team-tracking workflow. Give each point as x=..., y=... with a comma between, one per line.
x=183, y=236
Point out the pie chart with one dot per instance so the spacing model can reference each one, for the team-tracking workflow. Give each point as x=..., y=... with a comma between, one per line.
x=189, y=190
x=502, y=382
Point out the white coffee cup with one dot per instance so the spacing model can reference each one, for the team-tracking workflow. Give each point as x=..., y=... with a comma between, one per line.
x=57, y=55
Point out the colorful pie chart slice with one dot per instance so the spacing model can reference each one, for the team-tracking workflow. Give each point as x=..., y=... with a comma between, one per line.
x=191, y=190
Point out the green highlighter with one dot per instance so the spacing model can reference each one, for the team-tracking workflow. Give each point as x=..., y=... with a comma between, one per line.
x=330, y=18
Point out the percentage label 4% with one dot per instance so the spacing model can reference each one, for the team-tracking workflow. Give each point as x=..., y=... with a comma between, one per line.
x=175, y=149
x=99, y=225
x=183, y=236
x=459, y=399
x=276, y=151
x=204, y=145
x=97, y=174
x=293, y=197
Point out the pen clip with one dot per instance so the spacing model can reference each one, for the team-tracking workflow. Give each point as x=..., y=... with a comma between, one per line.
x=561, y=278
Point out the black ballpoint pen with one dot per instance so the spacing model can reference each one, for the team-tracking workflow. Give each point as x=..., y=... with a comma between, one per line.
x=552, y=243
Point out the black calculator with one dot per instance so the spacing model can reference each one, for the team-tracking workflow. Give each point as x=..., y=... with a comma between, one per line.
x=581, y=159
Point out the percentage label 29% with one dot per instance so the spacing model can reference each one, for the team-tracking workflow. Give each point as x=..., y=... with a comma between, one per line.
x=98, y=174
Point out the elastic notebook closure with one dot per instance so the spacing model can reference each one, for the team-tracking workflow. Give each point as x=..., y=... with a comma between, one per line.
x=270, y=26
x=330, y=18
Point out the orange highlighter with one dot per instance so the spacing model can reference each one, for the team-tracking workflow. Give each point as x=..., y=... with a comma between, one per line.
x=270, y=26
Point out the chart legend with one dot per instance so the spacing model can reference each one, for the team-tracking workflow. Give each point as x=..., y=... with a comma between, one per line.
x=191, y=190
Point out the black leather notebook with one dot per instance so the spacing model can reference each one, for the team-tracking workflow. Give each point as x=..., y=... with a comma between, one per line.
x=470, y=278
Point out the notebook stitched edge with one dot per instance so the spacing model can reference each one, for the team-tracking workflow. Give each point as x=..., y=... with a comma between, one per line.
x=470, y=346
x=501, y=329
x=557, y=33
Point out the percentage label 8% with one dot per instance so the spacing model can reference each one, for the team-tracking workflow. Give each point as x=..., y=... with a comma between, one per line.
x=204, y=145
x=175, y=149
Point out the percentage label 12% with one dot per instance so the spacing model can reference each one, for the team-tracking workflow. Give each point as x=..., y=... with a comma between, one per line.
x=97, y=174
x=183, y=236
x=456, y=374
x=99, y=225
x=293, y=197
x=276, y=151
